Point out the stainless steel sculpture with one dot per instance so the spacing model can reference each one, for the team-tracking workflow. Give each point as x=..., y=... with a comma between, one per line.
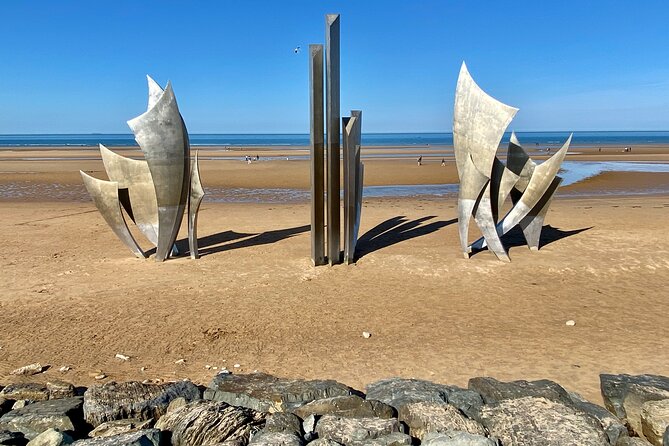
x=353, y=168
x=155, y=191
x=479, y=122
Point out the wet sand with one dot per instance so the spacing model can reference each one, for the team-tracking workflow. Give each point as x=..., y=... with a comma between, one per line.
x=73, y=295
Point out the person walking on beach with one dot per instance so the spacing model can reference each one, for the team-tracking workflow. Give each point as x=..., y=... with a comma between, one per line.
x=443, y=162
x=420, y=160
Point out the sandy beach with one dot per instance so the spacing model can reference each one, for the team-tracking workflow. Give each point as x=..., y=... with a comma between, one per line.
x=73, y=295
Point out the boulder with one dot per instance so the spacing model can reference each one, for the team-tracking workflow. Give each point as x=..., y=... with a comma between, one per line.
x=209, y=422
x=309, y=427
x=118, y=427
x=665, y=437
x=430, y=416
x=456, y=438
x=394, y=439
x=655, y=420
x=351, y=406
x=267, y=393
x=492, y=390
x=62, y=414
x=469, y=402
x=276, y=439
x=632, y=441
x=397, y=392
x=625, y=394
x=25, y=391
x=613, y=427
x=133, y=399
x=12, y=438
x=324, y=442
x=283, y=422
x=349, y=430
x=60, y=389
x=51, y=437
x=147, y=437
x=532, y=421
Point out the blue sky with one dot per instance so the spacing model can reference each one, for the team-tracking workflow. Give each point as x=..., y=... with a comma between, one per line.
x=79, y=66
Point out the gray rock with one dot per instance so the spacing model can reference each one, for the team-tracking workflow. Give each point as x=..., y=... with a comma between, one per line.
x=276, y=439
x=468, y=402
x=118, y=427
x=209, y=422
x=397, y=392
x=309, y=427
x=394, y=439
x=613, y=427
x=349, y=430
x=51, y=437
x=532, y=421
x=456, y=438
x=114, y=401
x=25, y=391
x=324, y=442
x=12, y=438
x=493, y=390
x=60, y=389
x=655, y=420
x=632, y=441
x=176, y=403
x=625, y=394
x=429, y=416
x=21, y=404
x=351, y=406
x=62, y=414
x=147, y=437
x=665, y=437
x=267, y=393
x=283, y=422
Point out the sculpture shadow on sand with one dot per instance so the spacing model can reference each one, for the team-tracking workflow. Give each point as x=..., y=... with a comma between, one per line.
x=515, y=238
x=228, y=240
x=395, y=230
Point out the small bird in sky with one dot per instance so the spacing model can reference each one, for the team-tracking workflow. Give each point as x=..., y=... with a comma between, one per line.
x=297, y=50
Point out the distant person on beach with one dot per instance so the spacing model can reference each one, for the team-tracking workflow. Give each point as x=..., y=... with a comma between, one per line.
x=443, y=162
x=600, y=149
x=420, y=160
x=257, y=158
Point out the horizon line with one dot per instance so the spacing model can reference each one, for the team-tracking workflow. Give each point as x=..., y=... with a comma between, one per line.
x=364, y=133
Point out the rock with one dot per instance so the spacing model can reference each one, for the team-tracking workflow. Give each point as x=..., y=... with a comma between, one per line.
x=62, y=414
x=118, y=427
x=209, y=422
x=466, y=401
x=397, y=392
x=350, y=406
x=394, y=439
x=492, y=390
x=655, y=420
x=532, y=421
x=625, y=394
x=51, y=437
x=349, y=430
x=5, y=405
x=570, y=323
x=267, y=393
x=366, y=334
x=632, y=441
x=114, y=401
x=309, y=427
x=176, y=403
x=276, y=439
x=430, y=416
x=60, y=389
x=324, y=442
x=21, y=404
x=12, y=438
x=456, y=438
x=613, y=427
x=283, y=422
x=147, y=437
x=665, y=437
x=25, y=391
x=30, y=369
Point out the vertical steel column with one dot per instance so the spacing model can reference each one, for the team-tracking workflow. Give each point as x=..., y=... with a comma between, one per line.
x=333, y=150
x=351, y=132
x=359, y=180
x=317, y=155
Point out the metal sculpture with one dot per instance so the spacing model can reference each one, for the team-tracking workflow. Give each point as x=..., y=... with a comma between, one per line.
x=479, y=122
x=155, y=191
x=353, y=168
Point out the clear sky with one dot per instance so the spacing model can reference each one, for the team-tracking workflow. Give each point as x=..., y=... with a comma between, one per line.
x=71, y=66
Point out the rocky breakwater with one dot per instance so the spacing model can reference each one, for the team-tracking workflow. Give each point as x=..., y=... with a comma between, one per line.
x=259, y=409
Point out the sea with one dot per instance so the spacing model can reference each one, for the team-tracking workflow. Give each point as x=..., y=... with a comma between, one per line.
x=420, y=140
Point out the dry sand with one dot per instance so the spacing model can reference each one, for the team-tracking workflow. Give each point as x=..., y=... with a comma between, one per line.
x=73, y=295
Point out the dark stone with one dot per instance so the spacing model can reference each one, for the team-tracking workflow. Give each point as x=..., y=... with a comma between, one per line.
x=209, y=422
x=625, y=394
x=351, y=406
x=468, y=402
x=283, y=422
x=267, y=393
x=394, y=439
x=665, y=437
x=613, y=427
x=456, y=438
x=62, y=414
x=348, y=431
x=133, y=399
x=276, y=439
x=147, y=437
x=25, y=391
x=532, y=421
x=12, y=438
x=397, y=392
x=431, y=416
x=493, y=390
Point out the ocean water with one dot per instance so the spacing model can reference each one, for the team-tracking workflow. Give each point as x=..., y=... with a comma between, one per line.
x=528, y=139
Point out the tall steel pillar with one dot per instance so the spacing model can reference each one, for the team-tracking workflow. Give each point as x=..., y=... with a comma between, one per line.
x=333, y=150
x=317, y=155
x=352, y=182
